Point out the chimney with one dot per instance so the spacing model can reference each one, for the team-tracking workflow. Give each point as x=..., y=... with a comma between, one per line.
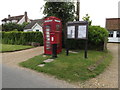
x=9, y=16
x=25, y=16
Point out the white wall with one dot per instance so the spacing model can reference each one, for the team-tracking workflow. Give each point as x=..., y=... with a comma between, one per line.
x=14, y=21
x=114, y=38
x=8, y=21
x=3, y=22
x=27, y=30
x=34, y=28
x=37, y=27
x=22, y=20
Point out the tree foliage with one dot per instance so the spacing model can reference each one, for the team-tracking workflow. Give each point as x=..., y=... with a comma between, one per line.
x=87, y=18
x=63, y=10
x=14, y=26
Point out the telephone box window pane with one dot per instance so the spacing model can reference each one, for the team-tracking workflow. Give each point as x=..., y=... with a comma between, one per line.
x=48, y=39
x=110, y=33
x=82, y=31
x=118, y=33
x=71, y=32
x=48, y=48
x=48, y=36
x=47, y=33
x=58, y=27
x=48, y=28
x=47, y=45
x=48, y=42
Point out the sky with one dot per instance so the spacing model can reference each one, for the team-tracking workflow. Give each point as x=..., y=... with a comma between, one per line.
x=98, y=10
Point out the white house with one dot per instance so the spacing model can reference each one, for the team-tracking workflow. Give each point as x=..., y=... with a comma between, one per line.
x=16, y=19
x=35, y=25
x=113, y=26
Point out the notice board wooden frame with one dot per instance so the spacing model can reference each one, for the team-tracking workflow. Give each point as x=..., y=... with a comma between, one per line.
x=76, y=24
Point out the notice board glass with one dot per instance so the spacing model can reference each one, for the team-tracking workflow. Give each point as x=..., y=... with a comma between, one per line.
x=71, y=32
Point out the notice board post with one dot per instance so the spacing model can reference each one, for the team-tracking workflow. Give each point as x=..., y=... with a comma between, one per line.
x=77, y=30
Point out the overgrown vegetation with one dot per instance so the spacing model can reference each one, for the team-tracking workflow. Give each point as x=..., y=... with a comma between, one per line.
x=72, y=68
x=14, y=26
x=87, y=18
x=21, y=38
x=8, y=48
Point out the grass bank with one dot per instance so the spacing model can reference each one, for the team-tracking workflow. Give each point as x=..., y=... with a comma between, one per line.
x=10, y=48
x=72, y=68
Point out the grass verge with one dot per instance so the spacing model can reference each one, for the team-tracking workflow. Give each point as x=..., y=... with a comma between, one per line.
x=10, y=48
x=72, y=68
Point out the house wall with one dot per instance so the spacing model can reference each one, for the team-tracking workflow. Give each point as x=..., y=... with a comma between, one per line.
x=27, y=30
x=23, y=20
x=14, y=21
x=3, y=22
x=113, y=23
x=114, y=38
x=34, y=28
x=37, y=27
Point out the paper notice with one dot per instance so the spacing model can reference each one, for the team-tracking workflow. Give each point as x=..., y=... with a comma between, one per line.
x=82, y=31
x=71, y=32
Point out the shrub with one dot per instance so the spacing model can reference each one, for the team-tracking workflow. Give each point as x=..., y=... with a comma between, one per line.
x=13, y=26
x=96, y=39
x=97, y=34
x=22, y=38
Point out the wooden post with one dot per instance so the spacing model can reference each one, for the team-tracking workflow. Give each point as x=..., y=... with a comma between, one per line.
x=78, y=10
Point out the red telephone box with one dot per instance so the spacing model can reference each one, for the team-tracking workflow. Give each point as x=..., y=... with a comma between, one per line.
x=52, y=29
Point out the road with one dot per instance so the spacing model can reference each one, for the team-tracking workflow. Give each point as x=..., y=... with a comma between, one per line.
x=19, y=78
x=14, y=76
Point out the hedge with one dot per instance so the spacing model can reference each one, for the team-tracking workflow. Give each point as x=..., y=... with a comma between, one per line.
x=96, y=39
x=21, y=38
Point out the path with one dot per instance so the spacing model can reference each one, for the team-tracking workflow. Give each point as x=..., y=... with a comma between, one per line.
x=14, y=58
x=108, y=79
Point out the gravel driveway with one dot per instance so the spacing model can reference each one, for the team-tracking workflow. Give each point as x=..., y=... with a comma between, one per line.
x=108, y=79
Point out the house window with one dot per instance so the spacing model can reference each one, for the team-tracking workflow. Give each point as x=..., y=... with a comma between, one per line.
x=118, y=33
x=37, y=30
x=110, y=33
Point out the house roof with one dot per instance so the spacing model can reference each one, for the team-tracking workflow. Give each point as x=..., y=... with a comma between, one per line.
x=113, y=23
x=13, y=18
x=33, y=22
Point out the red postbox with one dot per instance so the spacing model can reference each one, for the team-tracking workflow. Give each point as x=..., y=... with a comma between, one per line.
x=52, y=29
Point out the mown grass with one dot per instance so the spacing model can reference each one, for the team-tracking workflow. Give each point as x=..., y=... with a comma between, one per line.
x=72, y=68
x=8, y=48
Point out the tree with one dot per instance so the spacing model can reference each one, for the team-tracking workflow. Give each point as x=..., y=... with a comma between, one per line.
x=63, y=10
x=87, y=18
